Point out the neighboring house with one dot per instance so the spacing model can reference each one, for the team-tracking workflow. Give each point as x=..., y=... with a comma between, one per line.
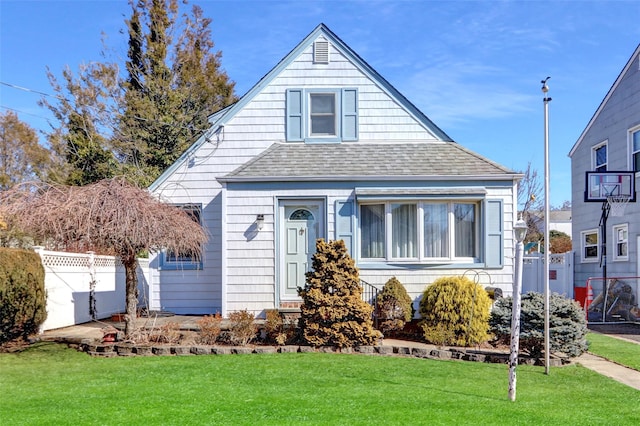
x=324, y=147
x=610, y=142
x=559, y=220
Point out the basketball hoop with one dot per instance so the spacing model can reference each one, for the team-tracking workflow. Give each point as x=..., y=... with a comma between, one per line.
x=617, y=204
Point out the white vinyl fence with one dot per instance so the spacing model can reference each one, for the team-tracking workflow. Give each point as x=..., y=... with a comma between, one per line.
x=560, y=273
x=77, y=281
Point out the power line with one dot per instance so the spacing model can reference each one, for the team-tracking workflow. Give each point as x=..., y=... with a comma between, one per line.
x=27, y=113
x=25, y=89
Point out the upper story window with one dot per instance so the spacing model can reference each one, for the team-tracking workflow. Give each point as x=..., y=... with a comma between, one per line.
x=174, y=260
x=635, y=150
x=322, y=115
x=599, y=157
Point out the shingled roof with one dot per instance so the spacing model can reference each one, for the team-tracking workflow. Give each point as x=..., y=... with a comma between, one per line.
x=354, y=161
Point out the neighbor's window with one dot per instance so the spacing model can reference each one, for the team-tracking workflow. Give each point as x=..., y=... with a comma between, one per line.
x=425, y=231
x=322, y=114
x=621, y=240
x=185, y=260
x=590, y=245
x=600, y=157
x=635, y=151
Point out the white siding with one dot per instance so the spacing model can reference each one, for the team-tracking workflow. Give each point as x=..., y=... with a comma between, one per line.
x=252, y=274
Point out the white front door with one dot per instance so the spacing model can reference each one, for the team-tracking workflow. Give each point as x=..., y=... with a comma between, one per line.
x=301, y=226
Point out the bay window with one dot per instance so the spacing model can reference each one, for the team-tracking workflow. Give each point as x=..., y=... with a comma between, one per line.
x=420, y=231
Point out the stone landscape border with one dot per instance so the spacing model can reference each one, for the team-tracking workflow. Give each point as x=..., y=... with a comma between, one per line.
x=463, y=354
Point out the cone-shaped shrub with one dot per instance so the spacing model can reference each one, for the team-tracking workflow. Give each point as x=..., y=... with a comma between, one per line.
x=333, y=312
x=22, y=294
x=394, y=307
x=567, y=324
x=455, y=312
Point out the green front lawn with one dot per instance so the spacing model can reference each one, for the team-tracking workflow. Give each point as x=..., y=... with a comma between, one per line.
x=51, y=384
x=625, y=353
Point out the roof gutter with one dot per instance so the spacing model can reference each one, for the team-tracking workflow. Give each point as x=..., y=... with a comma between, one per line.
x=337, y=178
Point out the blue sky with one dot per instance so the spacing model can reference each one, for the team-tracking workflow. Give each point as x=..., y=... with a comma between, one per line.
x=473, y=67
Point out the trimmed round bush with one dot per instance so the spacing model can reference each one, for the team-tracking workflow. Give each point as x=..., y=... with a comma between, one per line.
x=394, y=307
x=455, y=311
x=22, y=294
x=567, y=324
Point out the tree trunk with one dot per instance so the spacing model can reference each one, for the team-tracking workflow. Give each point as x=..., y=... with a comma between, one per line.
x=131, y=296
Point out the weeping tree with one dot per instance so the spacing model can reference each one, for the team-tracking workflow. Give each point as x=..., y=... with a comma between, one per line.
x=111, y=216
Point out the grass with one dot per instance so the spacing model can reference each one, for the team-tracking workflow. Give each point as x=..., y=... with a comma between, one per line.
x=51, y=384
x=616, y=350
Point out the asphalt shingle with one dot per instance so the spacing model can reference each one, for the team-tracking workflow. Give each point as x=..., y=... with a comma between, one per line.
x=317, y=161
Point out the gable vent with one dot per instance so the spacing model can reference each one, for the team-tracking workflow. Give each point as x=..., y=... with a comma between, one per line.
x=321, y=52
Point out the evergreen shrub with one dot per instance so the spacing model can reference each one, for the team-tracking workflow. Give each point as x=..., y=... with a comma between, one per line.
x=567, y=324
x=22, y=294
x=394, y=307
x=332, y=311
x=455, y=311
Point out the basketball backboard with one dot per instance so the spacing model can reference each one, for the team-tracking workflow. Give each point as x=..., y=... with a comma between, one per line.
x=602, y=185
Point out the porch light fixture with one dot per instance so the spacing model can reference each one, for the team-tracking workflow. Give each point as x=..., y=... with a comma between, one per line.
x=260, y=222
x=520, y=230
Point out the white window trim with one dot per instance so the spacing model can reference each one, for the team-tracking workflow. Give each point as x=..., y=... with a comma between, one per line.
x=583, y=246
x=630, y=148
x=623, y=227
x=593, y=155
x=422, y=259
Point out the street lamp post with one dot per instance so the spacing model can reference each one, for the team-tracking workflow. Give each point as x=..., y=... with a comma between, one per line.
x=519, y=231
x=546, y=100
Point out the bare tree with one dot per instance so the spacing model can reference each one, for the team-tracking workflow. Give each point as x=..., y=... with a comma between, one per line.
x=111, y=216
x=530, y=204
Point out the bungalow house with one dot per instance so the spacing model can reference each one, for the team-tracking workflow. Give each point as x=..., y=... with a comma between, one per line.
x=609, y=143
x=324, y=147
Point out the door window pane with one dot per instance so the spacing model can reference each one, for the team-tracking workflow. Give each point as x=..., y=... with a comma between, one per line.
x=372, y=228
x=404, y=219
